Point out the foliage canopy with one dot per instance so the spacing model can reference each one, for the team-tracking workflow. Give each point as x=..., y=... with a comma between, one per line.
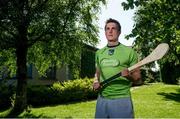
x=43, y=32
x=55, y=30
x=157, y=21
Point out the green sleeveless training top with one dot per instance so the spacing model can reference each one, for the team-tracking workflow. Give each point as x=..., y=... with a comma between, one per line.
x=110, y=61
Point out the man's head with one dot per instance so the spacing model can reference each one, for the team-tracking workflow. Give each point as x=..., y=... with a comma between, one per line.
x=112, y=30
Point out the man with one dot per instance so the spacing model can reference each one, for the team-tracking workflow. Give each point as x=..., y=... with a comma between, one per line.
x=114, y=100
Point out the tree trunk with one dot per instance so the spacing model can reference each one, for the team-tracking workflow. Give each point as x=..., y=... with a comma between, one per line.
x=21, y=98
x=20, y=103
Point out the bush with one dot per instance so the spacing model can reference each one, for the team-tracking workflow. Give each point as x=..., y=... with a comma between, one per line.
x=58, y=93
x=6, y=92
x=149, y=76
x=72, y=90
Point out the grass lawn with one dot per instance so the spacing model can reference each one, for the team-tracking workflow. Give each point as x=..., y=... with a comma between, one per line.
x=157, y=101
x=150, y=101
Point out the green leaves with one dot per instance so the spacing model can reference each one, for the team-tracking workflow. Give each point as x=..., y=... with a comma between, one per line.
x=55, y=29
x=157, y=21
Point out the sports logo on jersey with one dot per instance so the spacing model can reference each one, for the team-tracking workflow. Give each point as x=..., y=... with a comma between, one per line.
x=110, y=62
x=110, y=51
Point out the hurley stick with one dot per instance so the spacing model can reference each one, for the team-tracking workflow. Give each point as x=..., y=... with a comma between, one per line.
x=156, y=54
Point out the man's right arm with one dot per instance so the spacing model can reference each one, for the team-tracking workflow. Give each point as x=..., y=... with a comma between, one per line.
x=96, y=83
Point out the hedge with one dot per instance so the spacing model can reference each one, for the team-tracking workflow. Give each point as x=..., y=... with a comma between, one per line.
x=57, y=93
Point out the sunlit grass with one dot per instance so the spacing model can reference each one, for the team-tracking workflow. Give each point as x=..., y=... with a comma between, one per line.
x=150, y=101
x=73, y=110
x=157, y=101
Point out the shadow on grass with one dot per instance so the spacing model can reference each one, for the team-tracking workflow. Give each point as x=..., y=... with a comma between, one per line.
x=30, y=115
x=64, y=103
x=8, y=113
x=26, y=114
x=171, y=96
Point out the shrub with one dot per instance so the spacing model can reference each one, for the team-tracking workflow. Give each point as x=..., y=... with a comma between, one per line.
x=6, y=92
x=57, y=93
x=72, y=90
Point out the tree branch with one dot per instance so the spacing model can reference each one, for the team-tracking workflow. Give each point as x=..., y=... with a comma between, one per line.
x=37, y=8
x=37, y=39
x=72, y=6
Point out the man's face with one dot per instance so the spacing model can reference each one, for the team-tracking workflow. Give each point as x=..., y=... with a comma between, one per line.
x=111, y=32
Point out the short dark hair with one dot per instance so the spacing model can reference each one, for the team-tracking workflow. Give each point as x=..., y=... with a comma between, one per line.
x=114, y=21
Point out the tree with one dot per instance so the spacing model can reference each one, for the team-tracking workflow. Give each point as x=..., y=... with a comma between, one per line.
x=157, y=21
x=42, y=32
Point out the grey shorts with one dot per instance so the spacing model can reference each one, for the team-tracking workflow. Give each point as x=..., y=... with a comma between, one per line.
x=114, y=108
